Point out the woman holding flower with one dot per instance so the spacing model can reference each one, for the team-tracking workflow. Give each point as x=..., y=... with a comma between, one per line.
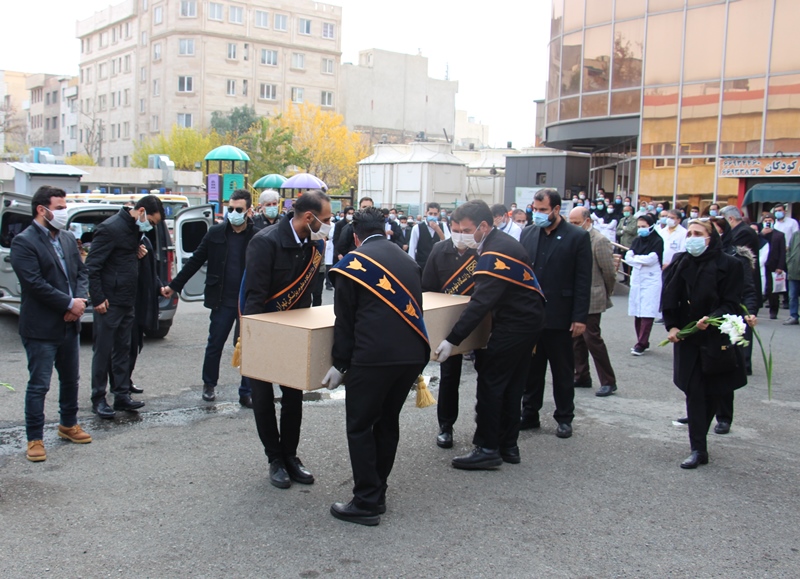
x=701, y=286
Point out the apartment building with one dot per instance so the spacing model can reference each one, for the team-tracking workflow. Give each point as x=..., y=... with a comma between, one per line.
x=52, y=119
x=13, y=120
x=147, y=65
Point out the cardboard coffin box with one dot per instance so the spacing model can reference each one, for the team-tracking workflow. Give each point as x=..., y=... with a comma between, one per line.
x=294, y=348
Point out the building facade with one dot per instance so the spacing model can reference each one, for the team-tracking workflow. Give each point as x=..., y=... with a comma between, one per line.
x=13, y=117
x=147, y=65
x=668, y=95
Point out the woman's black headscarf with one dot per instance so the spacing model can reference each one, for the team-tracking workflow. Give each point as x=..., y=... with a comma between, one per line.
x=653, y=243
x=688, y=269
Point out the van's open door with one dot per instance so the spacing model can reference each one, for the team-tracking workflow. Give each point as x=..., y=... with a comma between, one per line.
x=191, y=225
x=15, y=216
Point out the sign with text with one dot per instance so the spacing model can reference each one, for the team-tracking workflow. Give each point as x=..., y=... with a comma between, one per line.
x=759, y=167
x=213, y=187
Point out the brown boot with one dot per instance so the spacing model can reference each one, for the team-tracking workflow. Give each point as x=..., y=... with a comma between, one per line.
x=36, y=451
x=74, y=434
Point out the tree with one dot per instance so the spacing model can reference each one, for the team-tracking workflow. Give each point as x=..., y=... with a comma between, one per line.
x=12, y=128
x=237, y=121
x=271, y=147
x=79, y=159
x=185, y=147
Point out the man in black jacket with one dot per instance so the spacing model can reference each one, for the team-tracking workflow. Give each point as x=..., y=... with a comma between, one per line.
x=54, y=287
x=405, y=232
x=345, y=243
x=381, y=344
x=561, y=256
x=282, y=262
x=268, y=210
x=505, y=287
x=113, y=265
x=224, y=249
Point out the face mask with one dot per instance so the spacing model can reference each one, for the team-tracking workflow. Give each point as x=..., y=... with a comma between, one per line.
x=542, y=219
x=403, y=225
x=235, y=218
x=528, y=210
x=60, y=218
x=271, y=212
x=618, y=201
x=432, y=218
x=663, y=221
x=349, y=217
x=600, y=207
x=583, y=197
x=444, y=214
x=693, y=214
x=779, y=215
x=659, y=209
x=592, y=207
x=144, y=226
x=696, y=245
x=671, y=223
x=469, y=240
x=460, y=240
x=324, y=230
x=643, y=231
x=713, y=212
x=651, y=207
x=626, y=213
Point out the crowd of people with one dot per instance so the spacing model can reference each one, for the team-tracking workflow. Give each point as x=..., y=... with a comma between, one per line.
x=545, y=277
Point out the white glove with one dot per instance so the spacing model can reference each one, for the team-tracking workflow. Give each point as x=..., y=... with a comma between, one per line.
x=443, y=351
x=333, y=379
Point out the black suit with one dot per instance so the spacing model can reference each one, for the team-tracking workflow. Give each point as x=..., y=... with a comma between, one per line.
x=47, y=293
x=562, y=262
x=405, y=236
x=344, y=242
x=383, y=356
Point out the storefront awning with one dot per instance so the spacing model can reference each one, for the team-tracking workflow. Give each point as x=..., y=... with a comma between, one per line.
x=773, y=192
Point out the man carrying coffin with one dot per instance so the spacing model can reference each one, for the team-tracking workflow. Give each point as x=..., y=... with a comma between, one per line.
x=380, y=345
x=506, y=287
x=282, y=262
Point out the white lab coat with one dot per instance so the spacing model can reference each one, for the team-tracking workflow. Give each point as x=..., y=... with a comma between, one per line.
x=329, y=246
x=644, y=298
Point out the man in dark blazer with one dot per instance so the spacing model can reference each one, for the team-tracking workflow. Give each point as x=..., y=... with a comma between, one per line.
x=775, y=263
x=113, y=265
x=561, y=258
x=345, y=242
x=54, y=286
x=405, y=232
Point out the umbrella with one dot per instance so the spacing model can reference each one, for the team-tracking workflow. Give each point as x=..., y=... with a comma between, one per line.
x=271, y=181
x=304, y=181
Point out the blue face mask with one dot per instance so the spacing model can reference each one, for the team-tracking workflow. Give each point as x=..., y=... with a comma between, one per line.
x=651, y=207
x=528, y=210
x=144, y=226
x=271, y=211
x=542, y=219
x=713, y=212
x=236, y=219
x=696, y=246
x=663, y=221
x=643, y=231
x=779, y=215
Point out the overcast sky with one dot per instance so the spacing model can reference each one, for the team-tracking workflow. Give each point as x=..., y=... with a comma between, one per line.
x=497, y=51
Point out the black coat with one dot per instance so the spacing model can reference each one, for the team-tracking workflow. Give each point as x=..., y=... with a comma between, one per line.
x=260, y=222
x=564, y=272
x=113, y=261
x=443, y=262
x=213, y=250
x=45, y=287
x=367, y=332
x=777, y=256
x=405, y=235
x=744, y=236
x=345, y=242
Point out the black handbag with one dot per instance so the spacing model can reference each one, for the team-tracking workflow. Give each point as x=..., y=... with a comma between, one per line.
x=717, y=355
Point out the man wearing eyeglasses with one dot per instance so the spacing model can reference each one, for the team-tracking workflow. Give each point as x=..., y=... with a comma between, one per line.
x=224, y=249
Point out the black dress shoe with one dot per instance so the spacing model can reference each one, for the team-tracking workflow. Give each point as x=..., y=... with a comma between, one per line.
x=683, y=420
x=478, y=459
x=125, y=402
x=246, y=401
x=352, y=514
x=529, y=422
x=382, y=508
x=564, y=430
x=606, y=390
x=103, y=410
x=445, y=438
x=722, y=427
x=208, y=393
x=297, y=472
x=697, y=457
x=510, y=455
x=585, y=384
x=134, y=389
x=278, y=477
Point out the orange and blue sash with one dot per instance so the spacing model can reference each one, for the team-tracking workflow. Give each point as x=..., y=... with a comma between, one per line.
x=461, y=282
x=377, y=279
x=508, y=269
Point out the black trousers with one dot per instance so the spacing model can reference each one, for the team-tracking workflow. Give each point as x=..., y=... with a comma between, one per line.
x=555, y=347
x=702, y=402
x=375, y=397
x=277, y=443
x=112, y=345
x=449, y=381
x=134, y=355
x=725, y=407
x=502, y=374
x=316, y=289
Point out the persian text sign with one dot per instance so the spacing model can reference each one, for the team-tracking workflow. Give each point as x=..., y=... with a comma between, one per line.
x=759, y=167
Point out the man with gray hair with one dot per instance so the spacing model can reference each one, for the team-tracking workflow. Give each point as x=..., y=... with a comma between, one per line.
x=269, y=211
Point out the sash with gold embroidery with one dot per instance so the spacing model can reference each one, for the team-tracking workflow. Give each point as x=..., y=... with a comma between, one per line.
x=461, y=282
x=508, y=269
x=380, y=281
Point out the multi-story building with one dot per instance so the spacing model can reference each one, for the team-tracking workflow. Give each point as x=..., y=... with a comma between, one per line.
x=13, y=119
x=470, y=133
x=676, y=100
x=147, y=65
x=51, y=112
x=389, y=97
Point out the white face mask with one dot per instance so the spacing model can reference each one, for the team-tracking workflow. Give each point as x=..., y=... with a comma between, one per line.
x=60, y=218
x=349, y=217
x=324, y=230
x=671, y=223
x=461, y=240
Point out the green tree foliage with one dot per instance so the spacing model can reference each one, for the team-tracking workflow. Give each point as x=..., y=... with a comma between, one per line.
x=237, y=121
x=271, y=148
x=183, y=146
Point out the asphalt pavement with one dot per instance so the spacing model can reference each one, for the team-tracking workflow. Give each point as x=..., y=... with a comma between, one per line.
x=181, y=489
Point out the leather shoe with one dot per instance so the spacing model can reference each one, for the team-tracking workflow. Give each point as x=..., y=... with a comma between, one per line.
x=722, y=427
x=297, y=472
x=208, y=393
x=445, y=438
x=382, y=508
x=478, y=459
x=585, y=384
x=683, y=420
x=529, y=422
x=278, y=477
x=103, y=410
x=246, y=401
x=564, y=430
x=352, y=514
x=125, y=402
x=606, y=390
x=697, y=457
x=510, y=455
x=134, y=389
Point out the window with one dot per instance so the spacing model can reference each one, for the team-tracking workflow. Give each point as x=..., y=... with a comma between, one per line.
x=185, y=120
x=143, y=74
x=154, y=123
x=114, y=67
x=103, y=39
x=236, y=15
x=298, y=60
x=142, y=106
x=327, y=66
x=328, y=30
x=125, y=160
x=102, y=72
x=186, y=46
x=114, y=100
x=185, y=84
x=144, y=4
x=231, y=51
x=127, y=97
x=268, y=92
x=114, y=35
x=156, y=87
x=127, y=61
x=269, y=57
x=101, y=102
x=304, y=26
x=246, y=52
x=47, y=124
x=244, y=87
x=89, y=44
x=127, y=29
x=144, y=38
x=231, y=88
x=158, y=15
x=262, y=19
x=189, y=8
x=88, y=76
x=297, y=95
x=215, y=11
x=47, y=99
x=281, y=22
x=126, y=130
x=710, y=149
x=327, y=99
x=157, y=51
